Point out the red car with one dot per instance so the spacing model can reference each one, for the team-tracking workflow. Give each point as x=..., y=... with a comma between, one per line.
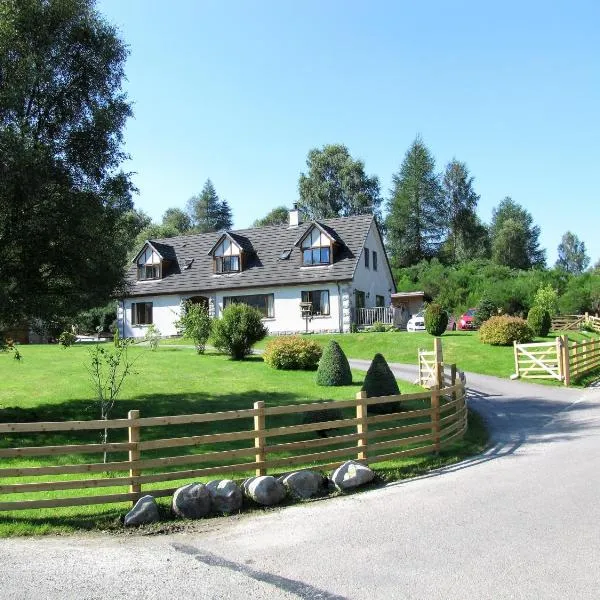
x=467, y=320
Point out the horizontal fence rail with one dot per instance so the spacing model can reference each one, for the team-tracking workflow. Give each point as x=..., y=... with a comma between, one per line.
x=561, y=359
x=575, y=322
x=414, y=424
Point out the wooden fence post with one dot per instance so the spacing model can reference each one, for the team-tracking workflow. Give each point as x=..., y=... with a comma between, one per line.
x=453, y=381
x=439, y=359
x=362, y=426
x=559, y=360
x=516, y=351
x=134, y=453
x=564, y=340
x=259, y=441
x=435, y=416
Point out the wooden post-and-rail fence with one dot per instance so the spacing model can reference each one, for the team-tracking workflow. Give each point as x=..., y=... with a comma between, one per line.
x=425, y=423
x=562, y=359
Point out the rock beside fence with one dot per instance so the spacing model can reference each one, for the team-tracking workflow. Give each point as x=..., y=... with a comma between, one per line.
x=191, y=501
x=351, y=474
x=303, y=484
x=265, y=490
x=225, y=496
x=145, y=511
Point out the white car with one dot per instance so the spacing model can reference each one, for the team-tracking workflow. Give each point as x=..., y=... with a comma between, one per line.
x=416, y=322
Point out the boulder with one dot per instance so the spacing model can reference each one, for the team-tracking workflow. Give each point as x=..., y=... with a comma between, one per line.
x=303, y=484
x=225, y=495
x=191, y=501
x=351, y=474
x=265, y=490
x=144, y=511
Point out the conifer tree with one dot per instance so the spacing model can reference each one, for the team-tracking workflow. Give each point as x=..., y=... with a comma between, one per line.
x=208, y=212
x=416, y=219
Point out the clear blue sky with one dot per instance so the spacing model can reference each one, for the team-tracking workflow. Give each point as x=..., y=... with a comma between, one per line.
x=240, y=91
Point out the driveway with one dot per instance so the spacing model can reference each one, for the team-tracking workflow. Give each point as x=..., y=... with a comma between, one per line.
x=520, y=521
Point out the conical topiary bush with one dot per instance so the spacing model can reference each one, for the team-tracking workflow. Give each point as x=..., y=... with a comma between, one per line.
x=380, y=381
x=333, y=366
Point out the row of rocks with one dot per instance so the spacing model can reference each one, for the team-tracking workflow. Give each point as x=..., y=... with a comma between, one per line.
x=198, y=500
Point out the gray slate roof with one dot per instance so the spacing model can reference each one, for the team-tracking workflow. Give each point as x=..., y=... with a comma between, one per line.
x=263, y=268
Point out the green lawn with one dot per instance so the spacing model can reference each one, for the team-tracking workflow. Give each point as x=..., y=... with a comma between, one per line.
x=51, y=384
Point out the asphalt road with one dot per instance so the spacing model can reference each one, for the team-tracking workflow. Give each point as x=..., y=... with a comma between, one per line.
x=520, y=521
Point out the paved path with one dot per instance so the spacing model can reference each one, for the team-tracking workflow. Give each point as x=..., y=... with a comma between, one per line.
x=520, y=521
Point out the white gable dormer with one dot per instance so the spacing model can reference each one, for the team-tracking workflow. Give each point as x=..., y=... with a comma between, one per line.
x=227, y=255
x=317, y=247
x=149, y=263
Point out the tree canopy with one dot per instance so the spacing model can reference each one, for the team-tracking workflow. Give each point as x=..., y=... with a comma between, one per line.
x=572, y=256
x=277, y=216
x=514, y=237
x=466, y=236
x=178, y=220
x=336, y=185
x=208, y=212
x=416, y=215
x=64, y=230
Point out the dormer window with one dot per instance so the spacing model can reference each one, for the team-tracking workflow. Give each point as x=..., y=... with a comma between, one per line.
x=316, y=248
x=149, y=264
x=227, y=257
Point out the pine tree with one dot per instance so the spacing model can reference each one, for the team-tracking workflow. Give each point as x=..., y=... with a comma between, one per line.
x=208, y=212
x=416, y=219
x=466, y=237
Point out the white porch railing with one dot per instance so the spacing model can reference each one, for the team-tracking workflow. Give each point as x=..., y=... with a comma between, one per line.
x=379, y=314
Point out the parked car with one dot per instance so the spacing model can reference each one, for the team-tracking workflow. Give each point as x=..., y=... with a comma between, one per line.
x=416, y=322
x=467, y=320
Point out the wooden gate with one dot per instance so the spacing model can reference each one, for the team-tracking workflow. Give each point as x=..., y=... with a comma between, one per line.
x=539, y=361
x=429, y=365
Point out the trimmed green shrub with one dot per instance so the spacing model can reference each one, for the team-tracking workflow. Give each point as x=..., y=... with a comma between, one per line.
x=293, y=352
x=322, y=416
x=380, y=381
x=436, y=319
x=504, y=330
x=484, y=310
x=333, y=366
x=378, y=327
x=66, y=339
x=238, y=329
x=195, y=324
x=539, y=320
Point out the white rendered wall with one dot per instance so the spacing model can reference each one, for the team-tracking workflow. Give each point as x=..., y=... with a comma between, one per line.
x=165, y=312
x=373, y=283
x=287, y=316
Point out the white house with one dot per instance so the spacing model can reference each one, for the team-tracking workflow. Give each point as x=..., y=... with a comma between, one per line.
x=311, y=276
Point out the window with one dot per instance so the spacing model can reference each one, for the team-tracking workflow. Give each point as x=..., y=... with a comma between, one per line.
x=367, y=258
x=148, y=272
x=316, y=248
x=374, y=260
x=141, y=313
x=227, y=264
x=227, y=257
x=379, y=301
x=148, y=265
x=319, y=300
x=263, y=302
x=359, y=299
